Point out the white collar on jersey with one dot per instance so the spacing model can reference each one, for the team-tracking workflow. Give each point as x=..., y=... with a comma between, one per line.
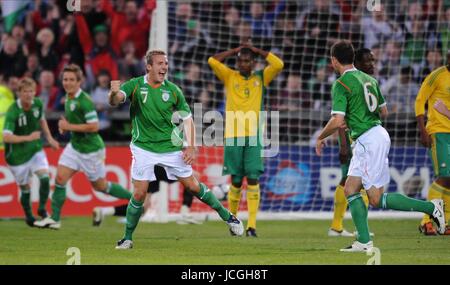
x=146, y=81
x=78, y=93
x=19, y=104
x=348, y=70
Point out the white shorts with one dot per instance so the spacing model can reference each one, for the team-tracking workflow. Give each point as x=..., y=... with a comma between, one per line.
x=92, y=164
x=370, y=158
x=23, y=172
x=144, y=161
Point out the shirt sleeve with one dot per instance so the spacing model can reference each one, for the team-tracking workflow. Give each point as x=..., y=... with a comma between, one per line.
x=128, y=89
x=181, y=105
x=10, y=122
x=380, y=97
x=222, y=71
x=339, y=98
x=90, y=114
x=274, y=67
x=427, y=88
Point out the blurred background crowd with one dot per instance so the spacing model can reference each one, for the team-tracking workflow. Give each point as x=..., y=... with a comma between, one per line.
x=108, y=39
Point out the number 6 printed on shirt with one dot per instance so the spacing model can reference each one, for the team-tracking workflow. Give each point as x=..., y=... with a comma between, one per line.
x=371, y=99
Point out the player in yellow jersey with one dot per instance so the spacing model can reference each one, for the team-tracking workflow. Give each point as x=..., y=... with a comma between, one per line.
x=436, y=136
x=245, y=90
x=6, y=100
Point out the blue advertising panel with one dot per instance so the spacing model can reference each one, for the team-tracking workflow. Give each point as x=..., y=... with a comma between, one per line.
x=299, y=180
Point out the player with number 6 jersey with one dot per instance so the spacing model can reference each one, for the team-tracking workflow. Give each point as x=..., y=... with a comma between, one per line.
x=358, y=104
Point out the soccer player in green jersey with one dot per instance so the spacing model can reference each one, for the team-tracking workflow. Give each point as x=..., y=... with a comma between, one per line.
x=357, y=103
x=85, y=151
x=364, y=61
x=24, y=155
x=155, y=140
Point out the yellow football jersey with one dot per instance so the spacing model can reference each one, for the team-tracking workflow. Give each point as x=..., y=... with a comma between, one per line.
x=435, y=86
x=244, y=95
x=6, y=99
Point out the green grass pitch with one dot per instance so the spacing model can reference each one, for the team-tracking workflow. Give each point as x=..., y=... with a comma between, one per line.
x=280, y=242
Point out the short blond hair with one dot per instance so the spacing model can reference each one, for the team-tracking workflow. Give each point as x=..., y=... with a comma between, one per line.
x=75, y=69
x=25, y=83
x=151, y=53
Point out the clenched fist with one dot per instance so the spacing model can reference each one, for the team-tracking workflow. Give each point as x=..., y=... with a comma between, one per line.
x=115, y=86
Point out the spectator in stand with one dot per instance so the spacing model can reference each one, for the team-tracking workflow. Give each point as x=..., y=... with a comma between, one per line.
x=390, y=61
x=194, y=87
x=130, y=24
x=401, y=91
x=319, y=87
x=18, y=33
x=197, y=46
x=182, y=15
x=98, y=52
x=291, y=98
x=378, y=28
x=129, y=65
x=321, y=27
x=48, y=58
x=47, y=90
x=33, y=67
x=262, y=21
x=224, y=31
x=444, y=31
x=100, y=98
x=12, y=59
x=433, y=60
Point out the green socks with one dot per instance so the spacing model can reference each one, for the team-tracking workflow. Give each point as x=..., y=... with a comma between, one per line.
x=26, y=204
x=396, y=201
x=208, y=198
x=359, y=215
x=134, y=212
x=44, y=189
x=118, y=191
x=58, y=198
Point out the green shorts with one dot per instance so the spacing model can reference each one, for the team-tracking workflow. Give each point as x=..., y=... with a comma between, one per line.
x=440, y=154
x=241, y=159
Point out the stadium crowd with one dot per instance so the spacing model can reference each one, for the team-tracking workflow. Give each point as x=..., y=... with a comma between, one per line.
x=109, y=39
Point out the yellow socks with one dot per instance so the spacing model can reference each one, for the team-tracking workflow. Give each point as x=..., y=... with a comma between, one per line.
x=253, y=197
x=234, y=197
x=365, y=197
x=340, y=206
x=446, y=198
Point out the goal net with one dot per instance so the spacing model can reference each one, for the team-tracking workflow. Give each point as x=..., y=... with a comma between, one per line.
x=408, y=39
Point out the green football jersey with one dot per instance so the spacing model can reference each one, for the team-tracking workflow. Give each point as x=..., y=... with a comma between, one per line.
x=357, y=96
x=151, y=112
x=81, y=110
x=22, y=123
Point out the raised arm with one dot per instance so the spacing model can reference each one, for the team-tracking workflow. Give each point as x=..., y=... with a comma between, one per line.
x=115, y=96
x=223, y=55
